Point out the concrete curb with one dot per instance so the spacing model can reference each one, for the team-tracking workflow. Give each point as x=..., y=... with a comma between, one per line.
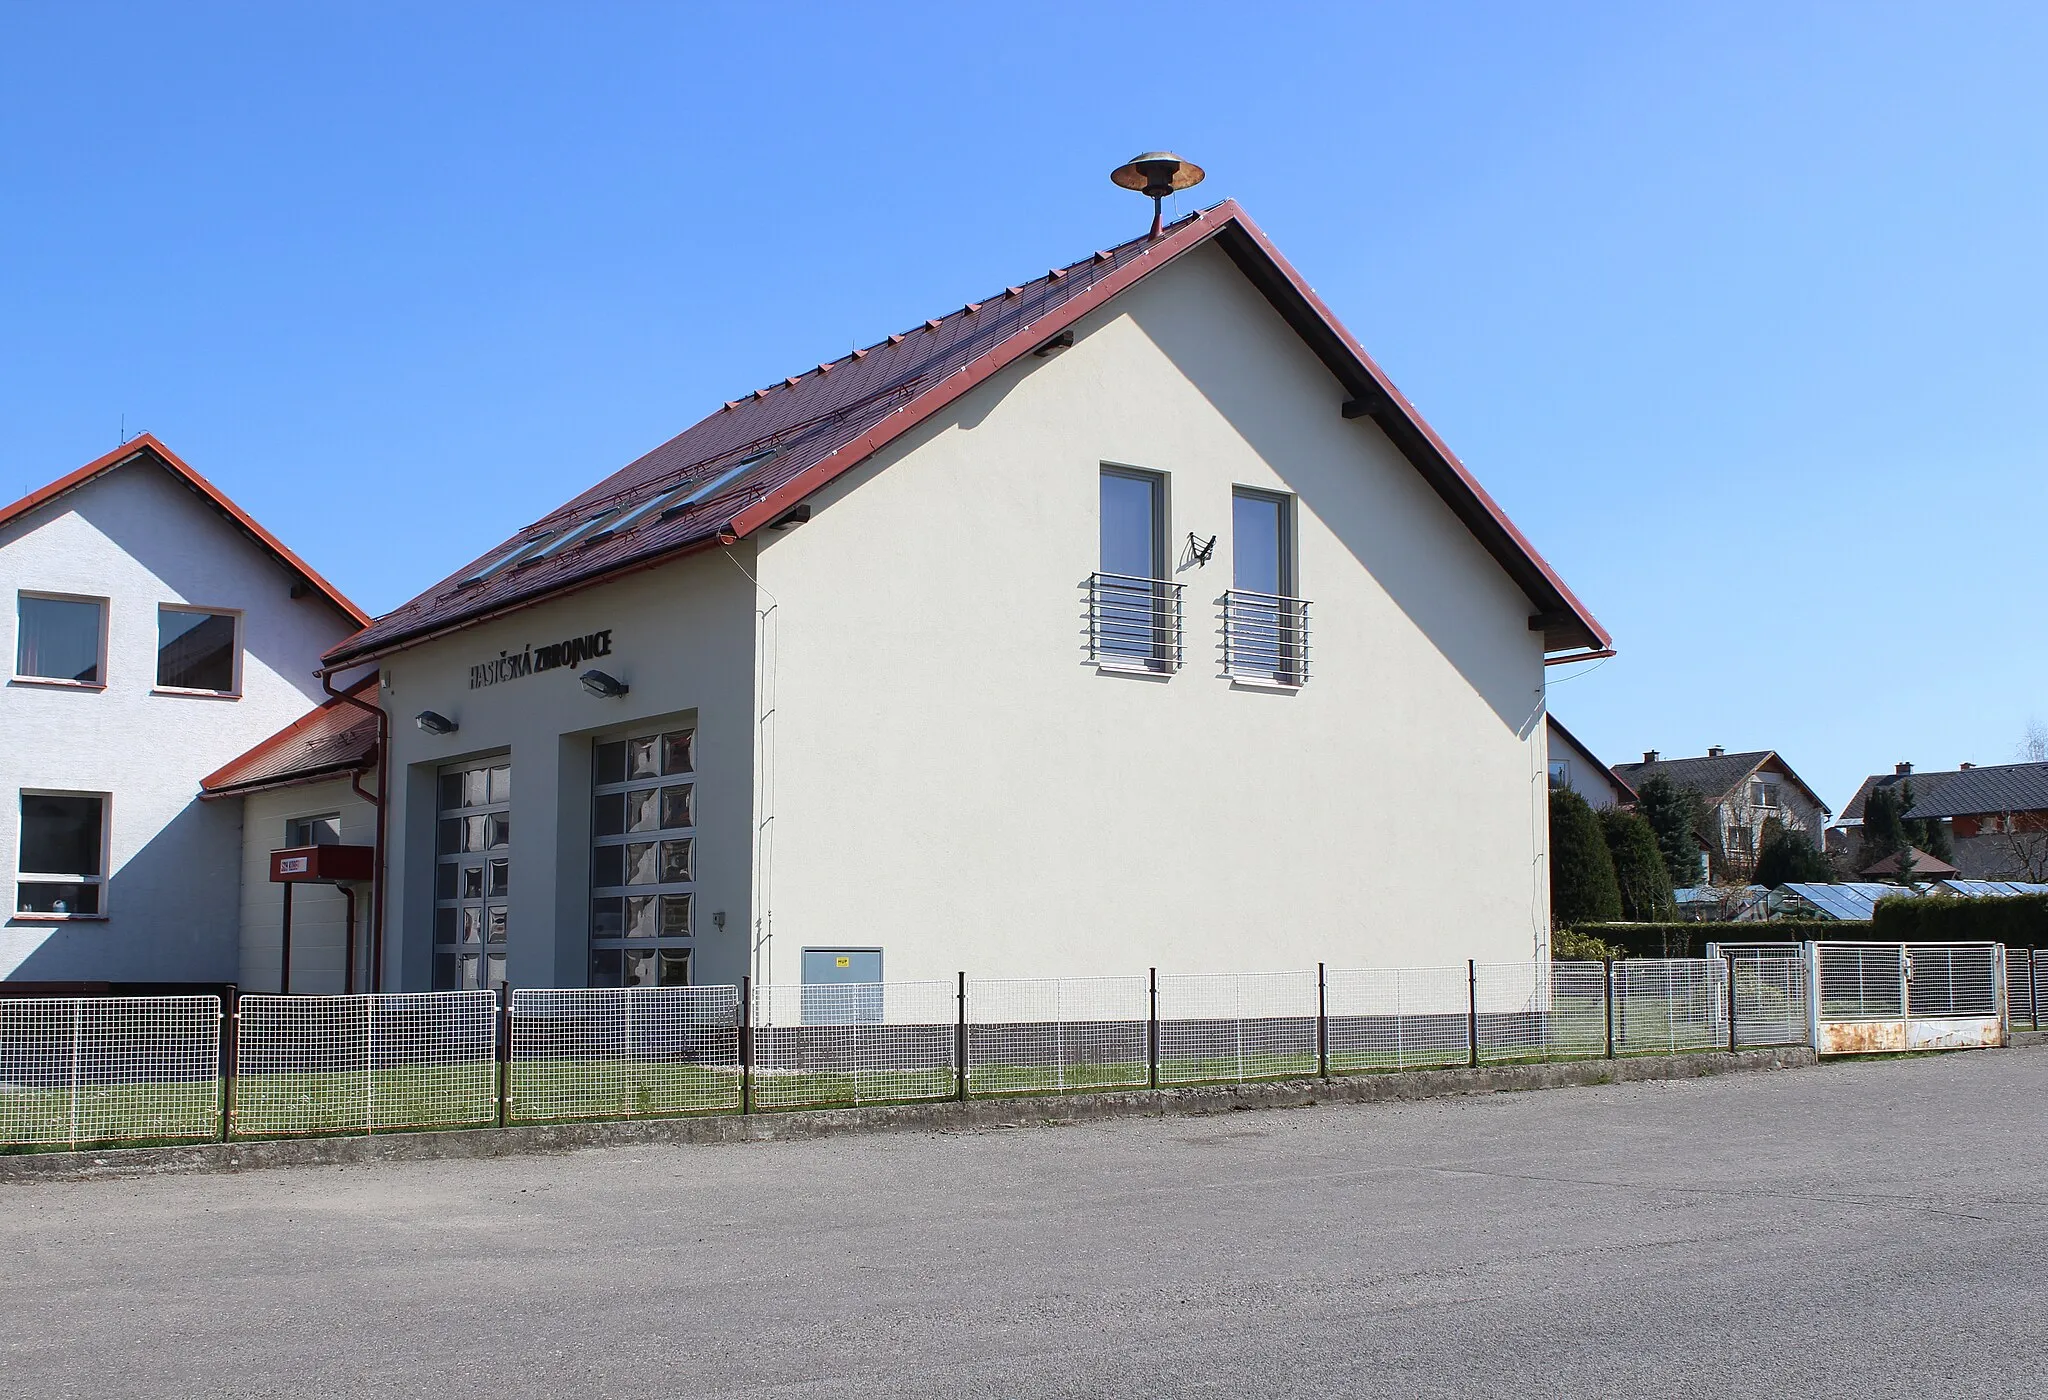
x=974, y=1114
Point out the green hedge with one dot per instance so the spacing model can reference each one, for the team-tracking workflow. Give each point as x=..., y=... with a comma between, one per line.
x=2018, y=921
x=1682, y=940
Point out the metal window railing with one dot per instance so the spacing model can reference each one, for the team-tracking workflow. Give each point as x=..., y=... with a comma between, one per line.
x=1265, y=635
x=1134, y=622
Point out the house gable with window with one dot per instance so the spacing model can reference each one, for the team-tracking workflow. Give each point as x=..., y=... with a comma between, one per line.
x=151, y=631
x=1743, y=791
x=1126, y=618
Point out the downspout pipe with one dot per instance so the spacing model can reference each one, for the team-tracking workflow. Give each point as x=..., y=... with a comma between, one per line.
x=355, y=782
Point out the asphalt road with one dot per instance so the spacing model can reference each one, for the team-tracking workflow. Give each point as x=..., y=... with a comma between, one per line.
x=1865, y=1230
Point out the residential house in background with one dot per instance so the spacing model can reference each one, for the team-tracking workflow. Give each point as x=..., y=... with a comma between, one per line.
x=1574, y=766
x=1997, y=816
x=1742, y=792
x=154, y=631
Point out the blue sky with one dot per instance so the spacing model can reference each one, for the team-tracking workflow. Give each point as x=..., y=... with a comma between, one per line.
x=1738, y=309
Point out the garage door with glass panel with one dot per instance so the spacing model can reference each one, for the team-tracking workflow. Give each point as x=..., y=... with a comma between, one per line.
x=643, y=876
x=473, y=876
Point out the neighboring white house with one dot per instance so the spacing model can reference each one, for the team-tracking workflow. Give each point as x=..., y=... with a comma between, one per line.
x=153, y=631
x=1574, y=766
x=987, y=647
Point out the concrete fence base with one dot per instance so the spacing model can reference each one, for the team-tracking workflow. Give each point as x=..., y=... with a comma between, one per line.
x=1020, y=1112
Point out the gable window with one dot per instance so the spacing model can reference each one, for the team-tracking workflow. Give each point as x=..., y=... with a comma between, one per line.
x=196, y=649
x=1763, y=795
x=323, y=830
x=1133, y=609
x=63, y=862
x=60, y=639
x=1560, y=773
x=1265, y=627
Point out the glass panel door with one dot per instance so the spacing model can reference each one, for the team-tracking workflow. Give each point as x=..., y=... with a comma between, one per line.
x=472, y=876
x=643, y=860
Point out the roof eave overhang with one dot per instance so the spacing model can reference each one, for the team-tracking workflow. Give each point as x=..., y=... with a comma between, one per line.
x=299, y=779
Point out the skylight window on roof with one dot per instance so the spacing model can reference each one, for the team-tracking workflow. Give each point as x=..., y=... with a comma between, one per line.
x=723, y=479
x=650, y=506
x=521, y=551
x=580, y=533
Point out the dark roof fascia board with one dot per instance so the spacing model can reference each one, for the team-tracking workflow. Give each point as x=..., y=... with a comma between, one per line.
x=148, y=444
x=300, y=779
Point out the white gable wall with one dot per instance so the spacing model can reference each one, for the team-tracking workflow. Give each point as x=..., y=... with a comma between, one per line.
x=954, y=783
x=137, y=537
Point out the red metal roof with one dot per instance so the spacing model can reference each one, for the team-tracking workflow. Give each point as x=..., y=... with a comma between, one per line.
x=331, y=741
x=147, y=447
x=826, y=420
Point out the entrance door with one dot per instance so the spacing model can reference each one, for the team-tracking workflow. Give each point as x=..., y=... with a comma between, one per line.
x=842, y=986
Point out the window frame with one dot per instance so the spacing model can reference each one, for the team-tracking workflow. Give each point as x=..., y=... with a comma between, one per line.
x=159, y=688
x=333, y=816
x=1289, y=624
x=1559, y=766
x=1164, y=656
x=105, y=605
x=102, y=881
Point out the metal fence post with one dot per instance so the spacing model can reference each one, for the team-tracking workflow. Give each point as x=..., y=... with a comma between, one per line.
x=1731, y=1003
x=746, y=1045
x=1322, y=1023
x=1472, y=1011
x=230, y=1047
x=1608, y=965
x=504, y=1054
x=2033, y=994
x=960, y=1045
x=1152, y=1029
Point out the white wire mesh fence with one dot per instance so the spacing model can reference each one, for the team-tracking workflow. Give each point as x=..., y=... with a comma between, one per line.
x=818, y=1046
x=2026, y=975
x=365, y=1063
x=1665, y=1006
x=1770, y=1001
x=109, y=1069
x=1950, y=980
x=623, y=1052
x=1235, y=1026
x=1396, y=1018
x=85, y=1070
x=1050, y=1035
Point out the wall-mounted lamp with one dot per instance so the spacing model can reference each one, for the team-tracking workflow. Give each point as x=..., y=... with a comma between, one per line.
x=718, y=919
x=434, y=723
x=604, y=687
